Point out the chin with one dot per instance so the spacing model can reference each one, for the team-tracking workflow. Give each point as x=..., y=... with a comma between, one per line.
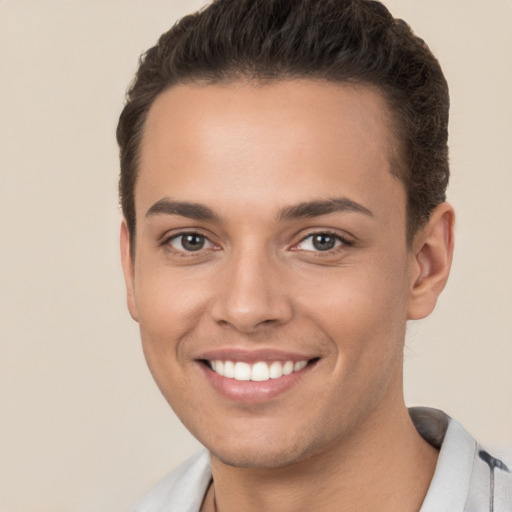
x=262, y=454
x=258, y=459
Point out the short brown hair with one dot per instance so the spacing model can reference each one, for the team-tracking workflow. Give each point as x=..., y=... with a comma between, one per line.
x=356, y=41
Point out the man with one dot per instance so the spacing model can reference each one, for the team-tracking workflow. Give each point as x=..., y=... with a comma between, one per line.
x=283, y=177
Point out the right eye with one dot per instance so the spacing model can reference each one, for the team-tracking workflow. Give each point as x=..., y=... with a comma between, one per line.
x=189, y=242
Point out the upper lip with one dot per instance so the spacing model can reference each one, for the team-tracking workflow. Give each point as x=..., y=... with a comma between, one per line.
x=253, y=356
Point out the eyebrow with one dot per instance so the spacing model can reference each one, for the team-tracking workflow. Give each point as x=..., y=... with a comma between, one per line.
x=311, y=209
x=195, y=211
x=308, y=209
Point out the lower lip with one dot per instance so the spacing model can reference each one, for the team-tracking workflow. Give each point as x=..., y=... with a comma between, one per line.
x=252, y=392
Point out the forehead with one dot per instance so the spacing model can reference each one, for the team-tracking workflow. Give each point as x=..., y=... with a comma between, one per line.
x=289, y=141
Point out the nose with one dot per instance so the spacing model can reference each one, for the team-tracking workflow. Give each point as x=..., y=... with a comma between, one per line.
x=251, y=294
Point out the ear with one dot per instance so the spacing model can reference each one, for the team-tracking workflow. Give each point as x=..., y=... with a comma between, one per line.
x=431, y=260
x=128, y=270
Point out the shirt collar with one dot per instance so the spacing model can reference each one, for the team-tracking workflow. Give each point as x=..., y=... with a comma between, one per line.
x=449, y=489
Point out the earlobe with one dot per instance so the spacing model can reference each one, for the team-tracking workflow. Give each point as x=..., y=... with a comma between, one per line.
x=431, y=254
x=128, y=270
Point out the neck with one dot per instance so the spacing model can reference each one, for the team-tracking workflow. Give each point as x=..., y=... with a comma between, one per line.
x=385, y=465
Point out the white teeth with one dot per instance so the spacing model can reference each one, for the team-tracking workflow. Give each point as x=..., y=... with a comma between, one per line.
x=288, y=368
x=229, y=369
x=299, y=365
x=258, y=372
x=242, y=371
x=276, y=370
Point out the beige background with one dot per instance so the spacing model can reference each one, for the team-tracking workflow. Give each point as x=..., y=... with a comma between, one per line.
x=82, y=426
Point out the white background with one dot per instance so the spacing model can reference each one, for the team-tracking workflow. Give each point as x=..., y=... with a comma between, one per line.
x=82, y=426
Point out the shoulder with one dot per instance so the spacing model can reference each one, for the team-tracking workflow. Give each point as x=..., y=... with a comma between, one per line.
x=469, y=477
x=182, y=490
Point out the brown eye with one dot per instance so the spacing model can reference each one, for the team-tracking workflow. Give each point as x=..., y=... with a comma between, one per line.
x=189, y=242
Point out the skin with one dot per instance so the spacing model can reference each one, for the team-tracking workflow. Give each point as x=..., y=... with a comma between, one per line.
x=248, y=153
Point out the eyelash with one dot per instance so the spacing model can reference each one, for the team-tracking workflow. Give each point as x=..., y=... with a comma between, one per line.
x=343, y=243
x=166, y=243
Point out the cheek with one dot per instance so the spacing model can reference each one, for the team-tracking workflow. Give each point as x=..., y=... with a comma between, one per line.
x=168, y=312
x=363, y=308
x=363, y=314
x=170, y=306
x=168, y=300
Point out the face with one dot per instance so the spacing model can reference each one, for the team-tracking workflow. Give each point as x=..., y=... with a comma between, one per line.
x=271, y=277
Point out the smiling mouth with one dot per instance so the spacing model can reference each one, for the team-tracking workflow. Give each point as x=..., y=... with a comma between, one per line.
x=259, y=371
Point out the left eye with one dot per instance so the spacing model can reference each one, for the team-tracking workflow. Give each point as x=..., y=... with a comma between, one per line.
x=320, y=242
x=189, y=242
